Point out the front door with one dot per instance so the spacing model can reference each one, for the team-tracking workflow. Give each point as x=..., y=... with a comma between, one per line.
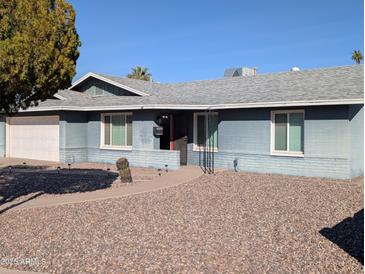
x=181, y=137
x=165, y=138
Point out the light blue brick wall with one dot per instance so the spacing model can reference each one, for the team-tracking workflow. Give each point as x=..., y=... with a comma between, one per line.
x=143, y=123
x=145, y=151
x=244, y=130
x=73, y=137
x=326, y=132
x=300, y=166
x=333, y=142
x=139, y=158
x=245, y=135
x=356, y=118
x=2, y=136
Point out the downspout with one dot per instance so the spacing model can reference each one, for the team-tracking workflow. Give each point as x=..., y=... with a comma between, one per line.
x=210, y=142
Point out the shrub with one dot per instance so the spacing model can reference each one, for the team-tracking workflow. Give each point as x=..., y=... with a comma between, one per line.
x=124, y=171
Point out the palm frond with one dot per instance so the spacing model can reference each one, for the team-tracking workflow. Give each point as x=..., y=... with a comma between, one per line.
x=140, y=73
x=357, y=56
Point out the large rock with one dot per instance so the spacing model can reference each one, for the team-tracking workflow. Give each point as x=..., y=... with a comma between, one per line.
x=124, y=170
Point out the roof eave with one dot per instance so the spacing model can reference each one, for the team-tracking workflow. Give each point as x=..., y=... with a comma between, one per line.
x=204, y=107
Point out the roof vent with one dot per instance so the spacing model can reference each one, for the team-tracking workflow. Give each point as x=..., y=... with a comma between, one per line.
x=244, y=71
x=295, y=69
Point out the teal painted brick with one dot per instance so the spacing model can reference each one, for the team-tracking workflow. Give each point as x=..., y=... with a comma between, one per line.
x=145, y=151
x=137, y=158
x=73, y=155
x=356, y=118
x=333, y=142
x=308, y=166
x=326, y=132
x=82, y=142
x=244, y=130
x=245, y=134
x=143, y=123
x=73, y=130
x=73, y=137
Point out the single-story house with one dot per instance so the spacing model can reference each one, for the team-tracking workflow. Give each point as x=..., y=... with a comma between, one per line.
x=307, y=123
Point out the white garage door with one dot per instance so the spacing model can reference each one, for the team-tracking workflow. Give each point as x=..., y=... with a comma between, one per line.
x=33, y=138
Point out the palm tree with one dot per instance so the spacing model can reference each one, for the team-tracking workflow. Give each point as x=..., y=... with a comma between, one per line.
x=357, y=56
x=140, y=73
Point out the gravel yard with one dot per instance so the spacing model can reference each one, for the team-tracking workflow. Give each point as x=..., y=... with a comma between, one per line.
x=228, y=222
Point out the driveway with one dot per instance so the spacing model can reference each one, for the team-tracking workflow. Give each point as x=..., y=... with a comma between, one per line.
x=227, y=222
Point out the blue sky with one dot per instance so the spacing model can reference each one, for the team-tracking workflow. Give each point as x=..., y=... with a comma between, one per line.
x=192, y=40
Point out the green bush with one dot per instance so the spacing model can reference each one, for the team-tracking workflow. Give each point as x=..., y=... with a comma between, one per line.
x=124, y=170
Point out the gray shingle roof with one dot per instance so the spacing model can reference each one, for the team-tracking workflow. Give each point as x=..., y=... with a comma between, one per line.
x=327, y=84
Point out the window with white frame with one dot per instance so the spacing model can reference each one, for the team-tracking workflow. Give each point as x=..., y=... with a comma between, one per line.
x=287, y=136
x=116, y=130
x=205, y=130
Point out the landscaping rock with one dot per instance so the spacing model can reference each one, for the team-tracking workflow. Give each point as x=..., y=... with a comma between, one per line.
x=222, y=223
x=124, y=171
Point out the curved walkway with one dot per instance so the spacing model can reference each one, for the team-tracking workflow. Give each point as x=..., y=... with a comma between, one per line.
x=167, y=179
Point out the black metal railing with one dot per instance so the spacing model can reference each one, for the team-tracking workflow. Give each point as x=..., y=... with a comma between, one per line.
x=206, y=151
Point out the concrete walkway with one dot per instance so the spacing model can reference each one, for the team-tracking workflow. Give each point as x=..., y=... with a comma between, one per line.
x=167, y=179
x=13, y=271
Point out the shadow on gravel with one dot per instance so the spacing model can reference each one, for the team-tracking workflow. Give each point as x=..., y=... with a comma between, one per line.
x=37, y=182
x=348, y=235
x=25, y=167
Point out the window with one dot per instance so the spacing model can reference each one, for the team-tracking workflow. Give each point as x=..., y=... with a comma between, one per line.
x=205, y=130
x=287, y=130
x=116, y=130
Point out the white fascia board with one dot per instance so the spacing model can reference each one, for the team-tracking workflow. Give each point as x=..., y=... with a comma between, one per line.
x=104, y=79
x=59, y=97
x=204, y=107
x=107, y=108
x=290, y=104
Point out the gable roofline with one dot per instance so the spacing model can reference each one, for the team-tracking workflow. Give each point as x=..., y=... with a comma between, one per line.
x=104, y=79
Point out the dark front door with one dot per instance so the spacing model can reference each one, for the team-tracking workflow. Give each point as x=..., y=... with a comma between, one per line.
x=165, y=137
x=181, y=137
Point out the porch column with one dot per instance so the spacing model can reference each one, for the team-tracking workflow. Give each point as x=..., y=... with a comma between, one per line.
x=171, y=132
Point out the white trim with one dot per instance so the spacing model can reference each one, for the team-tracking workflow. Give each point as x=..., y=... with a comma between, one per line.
x=290, y=103
x=102, y=129
x=201, y=149
x=196, y=147
x=7, y=137
x=202, y=107
x=102, y=78
x=272, y=134
x=287, y=154
x=128, y=148
x=59, y=97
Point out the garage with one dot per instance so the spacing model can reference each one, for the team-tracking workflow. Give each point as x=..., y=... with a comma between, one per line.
x=33, y=137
